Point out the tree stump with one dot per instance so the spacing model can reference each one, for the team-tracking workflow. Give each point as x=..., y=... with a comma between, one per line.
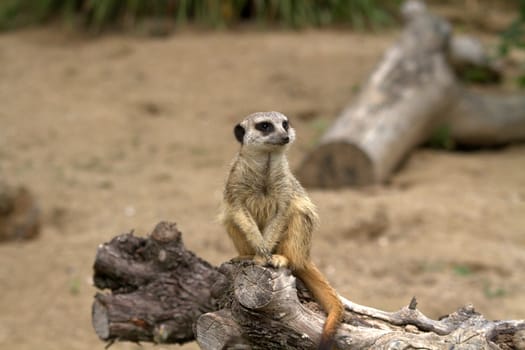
x=160, y=292
x=412, y=91
x=157, y=288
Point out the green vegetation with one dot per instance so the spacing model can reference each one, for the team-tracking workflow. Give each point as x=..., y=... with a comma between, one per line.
x=100, y=14
x=319, y=126
x=441, y=138
x=462, y=270
x=74, y=286
x=492, y=292
x=514, y=37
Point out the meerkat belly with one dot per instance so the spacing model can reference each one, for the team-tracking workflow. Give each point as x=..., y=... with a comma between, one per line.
x=262, y=208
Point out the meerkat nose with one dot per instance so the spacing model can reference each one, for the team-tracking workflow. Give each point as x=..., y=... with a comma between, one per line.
x=286, y=139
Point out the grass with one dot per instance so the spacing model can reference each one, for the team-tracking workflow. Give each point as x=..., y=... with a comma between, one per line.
x=441, y=138
x=462, y=270
x=98, y=15
x=514, y=38
x=74, y=286
x=492, y=292
x=319, y=126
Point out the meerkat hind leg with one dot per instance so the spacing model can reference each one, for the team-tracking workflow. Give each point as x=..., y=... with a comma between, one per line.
x=296, y=242
x=240, y=242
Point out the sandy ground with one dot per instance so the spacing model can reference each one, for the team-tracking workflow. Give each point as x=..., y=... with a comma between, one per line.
x=121, y=132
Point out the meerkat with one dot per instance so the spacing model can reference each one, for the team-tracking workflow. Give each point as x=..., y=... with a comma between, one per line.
x=268, y=214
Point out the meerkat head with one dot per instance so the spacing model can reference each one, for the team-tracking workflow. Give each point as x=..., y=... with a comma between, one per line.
x=266, y=131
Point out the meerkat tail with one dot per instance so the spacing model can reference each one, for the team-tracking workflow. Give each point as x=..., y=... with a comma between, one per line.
x=325, y=295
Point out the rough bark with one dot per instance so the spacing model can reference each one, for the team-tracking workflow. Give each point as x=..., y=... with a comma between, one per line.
x=155, y=288
x=412, y=91
x=162, y=293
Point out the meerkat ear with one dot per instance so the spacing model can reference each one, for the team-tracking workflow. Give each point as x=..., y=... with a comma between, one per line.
x=239, y=133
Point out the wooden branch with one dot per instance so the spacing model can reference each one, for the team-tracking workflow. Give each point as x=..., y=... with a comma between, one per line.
x=412, y=91
x=162, y=293
x=408, y=315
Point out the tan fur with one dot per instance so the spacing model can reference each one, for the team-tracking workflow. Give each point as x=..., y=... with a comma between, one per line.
x=269, y=216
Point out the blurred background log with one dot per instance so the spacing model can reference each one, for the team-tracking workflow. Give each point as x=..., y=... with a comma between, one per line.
x=483, y=119
x=412, y=92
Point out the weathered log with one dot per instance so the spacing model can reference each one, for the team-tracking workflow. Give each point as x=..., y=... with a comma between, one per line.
x=395, y=111
x=412, y=91
x=162, y=293
x=157, y=288
x=268, y=314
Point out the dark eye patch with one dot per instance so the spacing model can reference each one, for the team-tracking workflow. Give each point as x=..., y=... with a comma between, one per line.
x=265, y=127
x=285, y=125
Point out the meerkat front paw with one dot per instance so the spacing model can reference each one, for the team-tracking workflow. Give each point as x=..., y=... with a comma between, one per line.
x=263, y=260
x=274, y=260
x=278, y=261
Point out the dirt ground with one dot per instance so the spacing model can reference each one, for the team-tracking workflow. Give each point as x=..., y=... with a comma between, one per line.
x=120, y=132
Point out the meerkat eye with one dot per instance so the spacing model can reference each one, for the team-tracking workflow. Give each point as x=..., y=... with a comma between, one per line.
x=285, y=125
x=264, y=127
